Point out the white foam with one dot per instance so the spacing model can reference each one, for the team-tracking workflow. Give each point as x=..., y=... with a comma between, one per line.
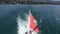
x=23, y=25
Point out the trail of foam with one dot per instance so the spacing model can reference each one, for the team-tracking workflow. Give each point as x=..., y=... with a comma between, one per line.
x=23, y=24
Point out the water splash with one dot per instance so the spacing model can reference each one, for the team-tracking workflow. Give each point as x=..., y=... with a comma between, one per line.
x=23, y=24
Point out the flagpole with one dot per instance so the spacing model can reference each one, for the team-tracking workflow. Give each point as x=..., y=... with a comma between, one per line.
x=29, y=21
x=29, y=17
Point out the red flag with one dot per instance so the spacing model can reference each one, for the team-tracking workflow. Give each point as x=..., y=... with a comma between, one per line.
x=33, y=23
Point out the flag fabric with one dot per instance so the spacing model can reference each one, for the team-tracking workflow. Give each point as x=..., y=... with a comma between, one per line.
x=33, y=23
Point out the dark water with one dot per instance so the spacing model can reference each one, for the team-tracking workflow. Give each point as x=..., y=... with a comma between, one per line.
x=49, y=14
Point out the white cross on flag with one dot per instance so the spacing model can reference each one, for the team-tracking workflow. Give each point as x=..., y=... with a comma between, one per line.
x=33, y=23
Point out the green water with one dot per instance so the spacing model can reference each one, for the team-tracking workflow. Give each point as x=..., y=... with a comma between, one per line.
x=47, y=13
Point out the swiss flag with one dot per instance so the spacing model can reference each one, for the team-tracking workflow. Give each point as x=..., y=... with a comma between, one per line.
x=33, y=23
